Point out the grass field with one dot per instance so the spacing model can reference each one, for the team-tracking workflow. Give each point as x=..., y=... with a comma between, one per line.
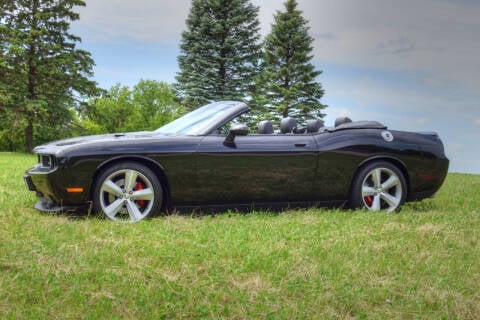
x=423, y=263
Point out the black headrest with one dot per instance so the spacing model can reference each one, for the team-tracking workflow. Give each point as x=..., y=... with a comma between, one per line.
x=342, y=120
x=265, y=127
x=313, y=125
x=288, y=125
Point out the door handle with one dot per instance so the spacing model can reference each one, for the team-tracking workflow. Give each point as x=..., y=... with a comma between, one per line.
x=301, y=144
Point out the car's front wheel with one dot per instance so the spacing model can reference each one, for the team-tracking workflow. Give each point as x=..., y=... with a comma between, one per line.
x=378, y=186
x=127, y=191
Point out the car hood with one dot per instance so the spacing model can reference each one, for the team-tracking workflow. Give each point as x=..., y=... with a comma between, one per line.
x=56, y=147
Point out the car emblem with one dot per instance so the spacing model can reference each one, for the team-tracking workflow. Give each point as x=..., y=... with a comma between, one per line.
x=387, y=136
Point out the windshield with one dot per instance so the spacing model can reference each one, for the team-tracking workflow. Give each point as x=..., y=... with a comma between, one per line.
x=197, y=121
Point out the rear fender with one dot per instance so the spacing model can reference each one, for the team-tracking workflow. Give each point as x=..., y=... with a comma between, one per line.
x=395, y=161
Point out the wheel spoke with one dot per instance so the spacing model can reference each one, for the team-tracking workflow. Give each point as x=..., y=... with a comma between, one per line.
x=390, y=200
x=130, y=179
x=145, y=194
x=112, y=210
x=377, y=177
x=376, y=203
x=111, y=187
x=135, y=214
x=390, y=183
x=367, y=191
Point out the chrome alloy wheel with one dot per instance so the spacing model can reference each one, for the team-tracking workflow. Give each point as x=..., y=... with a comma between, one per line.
x=126, y=195
x=382, y=190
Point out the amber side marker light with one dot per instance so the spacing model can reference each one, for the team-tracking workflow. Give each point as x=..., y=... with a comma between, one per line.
x=74, y=190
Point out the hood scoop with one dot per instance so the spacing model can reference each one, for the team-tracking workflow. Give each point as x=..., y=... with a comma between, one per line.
x=69, y=142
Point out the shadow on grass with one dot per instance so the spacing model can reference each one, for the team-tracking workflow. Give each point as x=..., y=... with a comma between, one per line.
x=275, y=210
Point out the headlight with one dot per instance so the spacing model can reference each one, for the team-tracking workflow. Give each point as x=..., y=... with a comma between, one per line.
x=46, y=161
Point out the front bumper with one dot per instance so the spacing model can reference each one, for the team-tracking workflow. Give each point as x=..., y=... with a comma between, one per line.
x=50, y=192
x=29, y=183
x=47, y=205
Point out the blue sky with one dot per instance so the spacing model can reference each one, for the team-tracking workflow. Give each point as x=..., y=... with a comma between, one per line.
x=413, y=65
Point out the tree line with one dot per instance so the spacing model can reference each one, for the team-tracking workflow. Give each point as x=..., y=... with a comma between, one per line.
x=47, y=91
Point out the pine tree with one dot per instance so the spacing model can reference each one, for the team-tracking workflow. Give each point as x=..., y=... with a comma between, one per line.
x=43, y=71
x=219, y=51
x=287, y=85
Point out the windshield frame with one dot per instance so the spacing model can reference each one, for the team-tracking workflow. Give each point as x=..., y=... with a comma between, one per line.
x=204, y=120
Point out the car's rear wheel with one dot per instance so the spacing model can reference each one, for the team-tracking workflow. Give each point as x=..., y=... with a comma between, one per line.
x=378, y=186
x=128, y=191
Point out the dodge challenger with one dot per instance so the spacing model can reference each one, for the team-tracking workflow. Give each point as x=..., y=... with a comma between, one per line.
x=210, y=158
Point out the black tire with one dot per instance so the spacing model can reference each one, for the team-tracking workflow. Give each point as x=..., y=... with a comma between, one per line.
x=127, y=191
x=379, y=185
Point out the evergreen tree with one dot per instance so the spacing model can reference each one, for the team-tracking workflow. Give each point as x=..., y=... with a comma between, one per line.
x=42, y=70
x=219, y=51
x=287, y=85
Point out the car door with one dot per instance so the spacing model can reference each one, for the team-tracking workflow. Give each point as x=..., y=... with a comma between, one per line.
x=256, y=168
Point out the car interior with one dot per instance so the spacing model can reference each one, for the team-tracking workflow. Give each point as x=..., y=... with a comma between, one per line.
x=289, y=125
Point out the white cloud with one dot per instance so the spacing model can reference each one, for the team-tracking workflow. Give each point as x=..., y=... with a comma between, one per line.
x=140, y=20
x=436, y=37
x=476, y=121
x=439, y=38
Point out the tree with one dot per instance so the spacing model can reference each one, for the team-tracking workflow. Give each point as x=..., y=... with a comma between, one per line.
x=112, y=112
x=156, y=102
x=43, y=71
x=219, y=51
x=287, y=85
x=148, y=106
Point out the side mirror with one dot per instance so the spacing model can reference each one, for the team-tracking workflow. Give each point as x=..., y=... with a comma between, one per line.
x=236, y=130
x=239, y=129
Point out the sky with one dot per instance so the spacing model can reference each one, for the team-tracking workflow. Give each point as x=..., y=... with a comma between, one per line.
x=412, y=65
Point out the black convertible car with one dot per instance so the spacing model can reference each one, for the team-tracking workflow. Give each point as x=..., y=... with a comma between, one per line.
x=208, y=158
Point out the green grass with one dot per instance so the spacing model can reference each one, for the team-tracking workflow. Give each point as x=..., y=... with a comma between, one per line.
x=423, y=263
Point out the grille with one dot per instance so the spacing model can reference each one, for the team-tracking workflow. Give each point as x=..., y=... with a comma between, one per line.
x=46, y=161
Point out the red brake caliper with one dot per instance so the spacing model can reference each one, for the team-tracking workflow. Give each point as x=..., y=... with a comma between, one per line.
x=368, y=200
x=140, y=186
